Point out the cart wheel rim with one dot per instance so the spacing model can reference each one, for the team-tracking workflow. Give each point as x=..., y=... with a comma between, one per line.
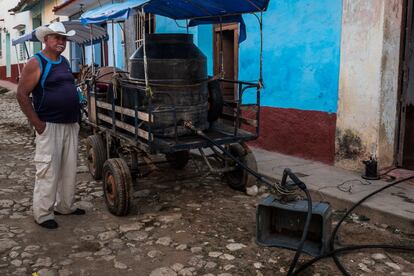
x=110, y=188
x=92, y=161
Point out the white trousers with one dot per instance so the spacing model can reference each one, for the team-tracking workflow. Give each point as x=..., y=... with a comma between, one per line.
x=55, y=160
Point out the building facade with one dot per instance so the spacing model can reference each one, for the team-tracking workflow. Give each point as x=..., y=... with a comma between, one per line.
x=12, y=26
x=102, y=51
x=21, y=17
x=338, y=87
x=337, y=82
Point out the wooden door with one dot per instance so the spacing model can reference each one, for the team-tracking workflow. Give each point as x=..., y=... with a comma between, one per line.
x=230, y=65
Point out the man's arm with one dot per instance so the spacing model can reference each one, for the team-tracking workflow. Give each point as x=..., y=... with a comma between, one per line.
x=27, y=83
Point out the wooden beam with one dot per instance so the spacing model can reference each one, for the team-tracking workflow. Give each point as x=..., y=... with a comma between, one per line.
x=141, y=133
x=126, y=111
x=233, y=118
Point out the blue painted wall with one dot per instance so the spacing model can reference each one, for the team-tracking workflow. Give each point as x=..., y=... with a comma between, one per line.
x=119, y=47
x=301, y=51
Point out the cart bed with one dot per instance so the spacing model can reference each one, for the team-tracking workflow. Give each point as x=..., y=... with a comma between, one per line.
x=221, y=134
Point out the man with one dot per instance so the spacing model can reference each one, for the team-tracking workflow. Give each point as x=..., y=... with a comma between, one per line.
x=54, y=115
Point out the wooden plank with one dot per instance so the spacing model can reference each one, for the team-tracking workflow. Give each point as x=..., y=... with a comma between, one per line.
x=141, y=133
x=92, y=109
x=243, y=120
x=126, y=111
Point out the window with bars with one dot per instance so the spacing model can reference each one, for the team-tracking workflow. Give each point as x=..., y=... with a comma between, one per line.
x=22, y=51
x=140, y=22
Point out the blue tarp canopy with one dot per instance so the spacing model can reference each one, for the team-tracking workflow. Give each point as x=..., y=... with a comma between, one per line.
x=190, y=9
x=83, y=33
x=27, y=37
x=175, y=9
x=198, y=11
x=108, y=12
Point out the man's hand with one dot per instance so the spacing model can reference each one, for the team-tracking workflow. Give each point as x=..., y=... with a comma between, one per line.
x=40, y=127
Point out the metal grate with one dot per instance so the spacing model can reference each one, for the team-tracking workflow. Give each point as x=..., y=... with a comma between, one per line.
x=140, y=22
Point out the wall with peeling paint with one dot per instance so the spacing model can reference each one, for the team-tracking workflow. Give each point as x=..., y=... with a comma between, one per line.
x=366, y=118
x=311, y=48
x=389, y=81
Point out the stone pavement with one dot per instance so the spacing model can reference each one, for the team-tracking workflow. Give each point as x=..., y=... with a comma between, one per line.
x=183, y=223
x=342, y=188
x=9, y=85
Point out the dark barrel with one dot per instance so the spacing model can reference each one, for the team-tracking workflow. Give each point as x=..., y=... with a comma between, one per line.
x=177, y=72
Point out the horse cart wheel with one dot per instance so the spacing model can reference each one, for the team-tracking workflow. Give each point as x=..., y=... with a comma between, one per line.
x=179, y=159
x=117, y=186
x=96, y=151
x=239, y=179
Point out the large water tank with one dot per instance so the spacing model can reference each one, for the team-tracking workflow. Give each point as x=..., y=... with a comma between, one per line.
x=177, y=72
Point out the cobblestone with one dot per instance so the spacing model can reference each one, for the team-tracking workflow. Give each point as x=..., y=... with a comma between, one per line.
x=181, y=223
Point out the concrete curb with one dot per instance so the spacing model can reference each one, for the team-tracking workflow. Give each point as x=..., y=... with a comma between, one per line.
x=378, y=209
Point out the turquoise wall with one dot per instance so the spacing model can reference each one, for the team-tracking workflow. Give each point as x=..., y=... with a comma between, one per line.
x=301, y=53
x=119, y=48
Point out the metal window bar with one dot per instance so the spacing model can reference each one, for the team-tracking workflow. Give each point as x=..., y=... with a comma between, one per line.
x=142, y=28
x=239, y=120
x=18, y=61
x=92, y=49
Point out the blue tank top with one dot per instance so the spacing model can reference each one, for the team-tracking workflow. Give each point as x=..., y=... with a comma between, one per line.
x=55, y=98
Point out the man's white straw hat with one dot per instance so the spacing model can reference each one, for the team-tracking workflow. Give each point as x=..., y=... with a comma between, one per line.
x=54, y=28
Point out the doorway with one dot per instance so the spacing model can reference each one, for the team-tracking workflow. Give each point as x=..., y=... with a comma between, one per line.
x=230, y=46
x=405, y=151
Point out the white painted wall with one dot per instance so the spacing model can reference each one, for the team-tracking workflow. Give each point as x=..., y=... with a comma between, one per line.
x=370, y=47
x=390, y=64
x=9, y=22
x=25, y=18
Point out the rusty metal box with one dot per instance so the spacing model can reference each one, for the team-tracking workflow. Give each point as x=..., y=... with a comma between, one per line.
x=281, y=225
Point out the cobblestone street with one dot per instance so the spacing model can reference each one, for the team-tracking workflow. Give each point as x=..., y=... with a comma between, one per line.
x=182, y=223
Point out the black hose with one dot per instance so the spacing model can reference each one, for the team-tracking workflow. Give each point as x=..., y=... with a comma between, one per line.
x=350, y=249
x=335, y=232
x=305, y=233
x=334, y=251
x=339, y=265
x=362, y=200
x=302, y=186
